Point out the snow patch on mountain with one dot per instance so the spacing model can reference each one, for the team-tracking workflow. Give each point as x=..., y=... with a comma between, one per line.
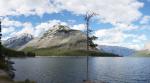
x=18, y=41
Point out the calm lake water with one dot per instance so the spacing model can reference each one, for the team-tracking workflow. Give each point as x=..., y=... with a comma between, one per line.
x=73, y=69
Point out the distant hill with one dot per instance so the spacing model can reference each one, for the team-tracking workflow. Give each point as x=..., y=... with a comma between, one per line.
x=121, y=51
x=145, y=52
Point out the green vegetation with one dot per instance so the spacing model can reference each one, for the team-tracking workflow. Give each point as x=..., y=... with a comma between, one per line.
x=13, y=53
x=67, y=52
x=3, y=65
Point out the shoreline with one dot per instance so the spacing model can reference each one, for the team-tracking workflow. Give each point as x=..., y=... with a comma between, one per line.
x=4, y=77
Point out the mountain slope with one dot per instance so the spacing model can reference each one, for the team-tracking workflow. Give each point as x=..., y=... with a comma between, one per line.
x=62, y=41
x=17, y=41
x=122, y=51
x=59, y=37
x=145, y=52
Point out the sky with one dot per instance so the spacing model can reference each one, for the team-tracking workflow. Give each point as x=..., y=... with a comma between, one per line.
x=123, y=23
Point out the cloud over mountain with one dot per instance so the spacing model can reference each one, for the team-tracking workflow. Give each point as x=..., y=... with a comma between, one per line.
x=129, y=25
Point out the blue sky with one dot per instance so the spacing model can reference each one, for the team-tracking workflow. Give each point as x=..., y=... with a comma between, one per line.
x=123, y=23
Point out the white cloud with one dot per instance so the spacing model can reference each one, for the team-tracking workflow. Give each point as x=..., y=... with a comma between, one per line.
x=145, y=20
x=8, y=22
x=71, y=22
x=132, y=46
x=110, y=36
x=142, y=37
x=126, y=27
x=41, y=28
x=11, y=26
x=27, y=28
x=110, y=11
x=8, y=30
x=79, y=27
x=117, y=37
x=26, y=7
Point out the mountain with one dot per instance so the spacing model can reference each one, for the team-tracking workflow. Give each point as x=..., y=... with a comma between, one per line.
x=121, y=51
x=17, y=41
x=59, y=37
x=61, y=40
x=143, y=53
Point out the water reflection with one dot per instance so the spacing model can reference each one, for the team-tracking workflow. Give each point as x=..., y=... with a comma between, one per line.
x=73, y=69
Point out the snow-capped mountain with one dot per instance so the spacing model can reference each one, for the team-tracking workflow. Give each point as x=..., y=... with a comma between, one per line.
x=18, y=41
x=121, y=51
x=59, y=36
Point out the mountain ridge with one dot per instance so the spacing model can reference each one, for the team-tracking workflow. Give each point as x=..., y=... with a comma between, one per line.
x=122, y=51
x=17, y=41
x=61, y=40
x=145, y=52
x=59, y=36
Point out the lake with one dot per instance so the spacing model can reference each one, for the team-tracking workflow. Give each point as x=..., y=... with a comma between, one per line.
x=73, y=69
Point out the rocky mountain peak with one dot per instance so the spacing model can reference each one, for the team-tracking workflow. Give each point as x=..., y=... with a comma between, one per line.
x=56, y=29
x=61, y=27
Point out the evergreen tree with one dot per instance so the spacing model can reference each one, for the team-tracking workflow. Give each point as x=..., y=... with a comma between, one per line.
x=1, y=54
x=2, y=57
